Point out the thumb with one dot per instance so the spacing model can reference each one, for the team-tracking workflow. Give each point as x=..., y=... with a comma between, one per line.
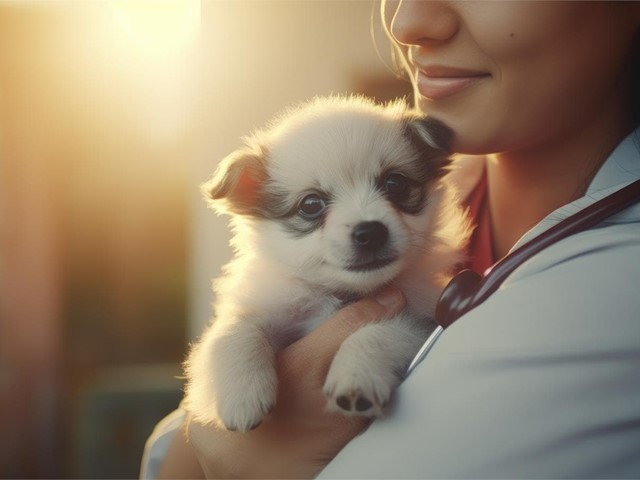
x=319, y=347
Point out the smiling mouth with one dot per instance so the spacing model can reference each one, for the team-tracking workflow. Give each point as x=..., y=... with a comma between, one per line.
x=370, y=266
x=437, y=87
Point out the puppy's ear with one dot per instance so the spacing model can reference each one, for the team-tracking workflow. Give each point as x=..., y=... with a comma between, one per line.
x=431, y=139
x=236, y=185
x=431, y=132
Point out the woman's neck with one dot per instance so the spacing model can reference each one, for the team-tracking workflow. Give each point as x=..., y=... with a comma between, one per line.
x=527, y=185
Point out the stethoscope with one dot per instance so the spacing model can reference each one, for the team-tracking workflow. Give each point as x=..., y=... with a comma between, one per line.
x=468, y=289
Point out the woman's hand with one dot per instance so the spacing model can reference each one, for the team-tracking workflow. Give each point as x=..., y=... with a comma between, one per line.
x=299, y=438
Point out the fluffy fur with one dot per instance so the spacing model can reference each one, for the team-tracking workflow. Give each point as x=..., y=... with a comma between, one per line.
x=333, y=200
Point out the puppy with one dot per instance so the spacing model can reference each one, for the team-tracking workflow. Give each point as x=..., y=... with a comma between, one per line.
x=332, y=201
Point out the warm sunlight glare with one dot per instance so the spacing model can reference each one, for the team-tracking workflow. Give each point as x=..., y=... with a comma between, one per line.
x=158, y=28
x=143, y=50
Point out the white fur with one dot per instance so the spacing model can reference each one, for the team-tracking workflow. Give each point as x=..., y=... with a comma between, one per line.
x=279, y=286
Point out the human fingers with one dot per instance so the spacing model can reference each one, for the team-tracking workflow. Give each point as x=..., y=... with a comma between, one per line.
x=300, y=436
x=314, y=352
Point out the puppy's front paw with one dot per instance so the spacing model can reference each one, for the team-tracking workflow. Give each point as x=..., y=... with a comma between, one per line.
x=232, y=381
x=356, y=387
x=370, y=364
x=244, y=405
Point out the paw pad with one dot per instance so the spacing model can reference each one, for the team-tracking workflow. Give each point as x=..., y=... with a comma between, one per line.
x=354, y=402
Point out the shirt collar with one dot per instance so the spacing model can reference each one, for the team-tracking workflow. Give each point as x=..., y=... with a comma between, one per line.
x=621, y=168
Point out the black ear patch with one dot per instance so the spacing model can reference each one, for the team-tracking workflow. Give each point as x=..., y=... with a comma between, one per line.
x=429, y=131
x=431, y=140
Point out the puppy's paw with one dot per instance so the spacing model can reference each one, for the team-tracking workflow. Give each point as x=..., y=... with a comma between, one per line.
x=356, y=388
x=244, y=405
x=355, y=402
x=230, y=392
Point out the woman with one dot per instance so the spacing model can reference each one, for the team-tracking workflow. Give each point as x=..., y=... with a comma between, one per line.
x=541, y=380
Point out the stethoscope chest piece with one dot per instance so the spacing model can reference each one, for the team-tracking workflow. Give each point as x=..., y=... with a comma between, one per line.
x=456, y=297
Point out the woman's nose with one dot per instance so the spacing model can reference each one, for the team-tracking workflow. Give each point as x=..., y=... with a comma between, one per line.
x=422, y=22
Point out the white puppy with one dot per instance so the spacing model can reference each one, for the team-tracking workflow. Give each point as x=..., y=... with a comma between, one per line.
x=334, y=200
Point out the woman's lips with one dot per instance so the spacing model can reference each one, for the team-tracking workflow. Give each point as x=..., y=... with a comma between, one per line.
x=441, y=85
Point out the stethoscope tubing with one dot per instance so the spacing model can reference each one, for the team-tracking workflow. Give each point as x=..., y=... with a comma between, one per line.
x=586, y=218
x=425, y=349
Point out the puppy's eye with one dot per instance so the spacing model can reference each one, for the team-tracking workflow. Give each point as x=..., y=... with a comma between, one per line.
x=396, y=185
x=312, y=206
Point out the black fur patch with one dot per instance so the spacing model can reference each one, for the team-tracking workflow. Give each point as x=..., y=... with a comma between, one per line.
x=278, y=205
x=415, y=199
x=427, y=165
x=438, y=131
x=433, y=161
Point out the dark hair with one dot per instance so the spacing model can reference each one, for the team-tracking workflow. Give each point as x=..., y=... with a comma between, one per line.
x=635, y=80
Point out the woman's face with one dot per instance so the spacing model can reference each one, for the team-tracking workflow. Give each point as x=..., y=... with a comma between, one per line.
x=513, y=75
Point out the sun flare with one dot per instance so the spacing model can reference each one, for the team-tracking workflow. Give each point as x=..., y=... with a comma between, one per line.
x=158, y=28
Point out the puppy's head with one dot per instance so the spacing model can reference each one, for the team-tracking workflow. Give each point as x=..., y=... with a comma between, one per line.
x=341, y=192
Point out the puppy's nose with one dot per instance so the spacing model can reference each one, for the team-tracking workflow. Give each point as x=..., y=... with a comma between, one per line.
x=370, y=235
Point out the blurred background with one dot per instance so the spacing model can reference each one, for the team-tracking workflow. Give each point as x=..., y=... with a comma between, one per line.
x=111, y=115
